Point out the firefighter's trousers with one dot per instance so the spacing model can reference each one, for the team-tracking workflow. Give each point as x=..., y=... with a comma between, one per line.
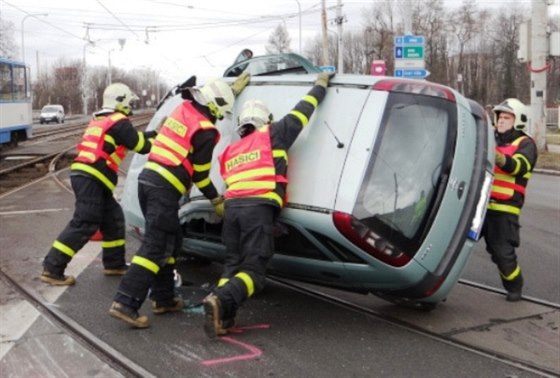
x=501, y=233
x=95, y=208
x=247, y=236
x=152, y=267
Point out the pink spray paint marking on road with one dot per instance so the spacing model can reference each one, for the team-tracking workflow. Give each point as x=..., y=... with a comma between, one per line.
x=254, y=352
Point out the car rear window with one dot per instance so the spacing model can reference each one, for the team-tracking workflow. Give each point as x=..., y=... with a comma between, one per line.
x=405, y=178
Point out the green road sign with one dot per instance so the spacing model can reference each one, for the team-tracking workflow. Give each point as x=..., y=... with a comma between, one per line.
x=413, y=52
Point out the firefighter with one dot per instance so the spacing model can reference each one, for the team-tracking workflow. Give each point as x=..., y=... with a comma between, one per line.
x=255, y=172
x=516, y=156
x=181, y=156
x=94, y=176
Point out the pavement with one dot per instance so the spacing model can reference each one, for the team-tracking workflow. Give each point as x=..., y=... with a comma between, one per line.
x=33, y=345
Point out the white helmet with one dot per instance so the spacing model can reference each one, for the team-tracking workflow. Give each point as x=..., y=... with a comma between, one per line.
x=515, y=107
x=216, y=95
x=118, y=97
x=254, y=113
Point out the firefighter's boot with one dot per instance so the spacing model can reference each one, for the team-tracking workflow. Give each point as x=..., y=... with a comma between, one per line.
x=129, y=315
x=172, y=305
x=212, y=316
x=514, y=288
x=57, y=279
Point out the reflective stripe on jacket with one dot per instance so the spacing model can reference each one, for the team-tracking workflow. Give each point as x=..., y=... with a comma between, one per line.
x=91, y=148
x=173, y=144
x=247, y=167
x=506, y=185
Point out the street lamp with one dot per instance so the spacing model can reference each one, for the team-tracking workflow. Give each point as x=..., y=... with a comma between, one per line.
x=22, y=31
x=299, y=13
x=84, y=77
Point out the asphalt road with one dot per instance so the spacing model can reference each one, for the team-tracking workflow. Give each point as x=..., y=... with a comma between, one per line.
x=284, y=332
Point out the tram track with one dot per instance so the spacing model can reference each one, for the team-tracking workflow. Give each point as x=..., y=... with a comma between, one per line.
x=104, y=351
x=129, y=368
x=495, y=355
x=22, y=165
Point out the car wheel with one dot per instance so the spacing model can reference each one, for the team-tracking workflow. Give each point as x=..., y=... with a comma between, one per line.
x=57, y=120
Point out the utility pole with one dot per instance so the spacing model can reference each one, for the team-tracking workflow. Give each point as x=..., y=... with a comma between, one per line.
x=340, y=45
x=538, y=67
x=325, y=35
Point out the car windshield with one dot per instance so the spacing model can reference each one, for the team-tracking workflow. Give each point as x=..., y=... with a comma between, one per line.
x=403, y=183
x=50, y=109
x=273, y=65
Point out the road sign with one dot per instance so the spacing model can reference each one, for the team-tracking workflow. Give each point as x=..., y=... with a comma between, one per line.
x=409, y=63
x=409, y=52
x=402, y=40
x=412, y=74
x=413, y=40
x=328, y=68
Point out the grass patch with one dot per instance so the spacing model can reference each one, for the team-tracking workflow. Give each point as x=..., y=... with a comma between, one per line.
x=548, y=160
x=553, y=138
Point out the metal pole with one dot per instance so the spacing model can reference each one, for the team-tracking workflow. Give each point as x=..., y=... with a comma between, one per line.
x=22, y=31
x=537, y=65
x=299, y=13
x=110, y=79
x=84, y=78
x=325, y=36
x=340, y=45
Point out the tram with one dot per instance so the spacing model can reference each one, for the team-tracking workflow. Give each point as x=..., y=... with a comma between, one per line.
x=16, y=118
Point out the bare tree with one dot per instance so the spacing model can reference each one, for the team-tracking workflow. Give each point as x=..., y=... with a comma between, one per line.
x=429, y=20
x=279, y=40
x=464, y=28
x=8, y=46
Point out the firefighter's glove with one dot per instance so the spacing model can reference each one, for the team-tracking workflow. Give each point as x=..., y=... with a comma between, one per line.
x=185, y=198
x=500, y=159
x=218, y=204
x=323, y=79
x=240, y=83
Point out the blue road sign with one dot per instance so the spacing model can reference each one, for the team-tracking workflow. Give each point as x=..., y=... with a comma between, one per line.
x=409, y=40
x=328, y=68
x=413, y=40
x=412, y=74
x=398, y=52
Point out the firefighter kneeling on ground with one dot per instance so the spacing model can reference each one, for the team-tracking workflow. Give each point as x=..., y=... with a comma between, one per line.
x=181, y=156
x=255, y=172
x=94, y=177
x=516, y=156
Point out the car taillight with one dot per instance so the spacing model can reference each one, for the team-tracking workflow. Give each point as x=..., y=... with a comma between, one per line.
x=363, y=237
x=414, y=86
x=435, y=287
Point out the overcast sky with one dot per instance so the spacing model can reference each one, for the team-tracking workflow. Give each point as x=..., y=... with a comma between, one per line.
x=175, y=37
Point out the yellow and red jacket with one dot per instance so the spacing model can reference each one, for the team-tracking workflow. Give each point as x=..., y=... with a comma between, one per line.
x=173, y=144
x=90, y=149
x=247, y=167
x=508, y=189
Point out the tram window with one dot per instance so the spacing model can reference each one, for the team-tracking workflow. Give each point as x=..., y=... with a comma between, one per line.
x=19, y=83
x=5, y=82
